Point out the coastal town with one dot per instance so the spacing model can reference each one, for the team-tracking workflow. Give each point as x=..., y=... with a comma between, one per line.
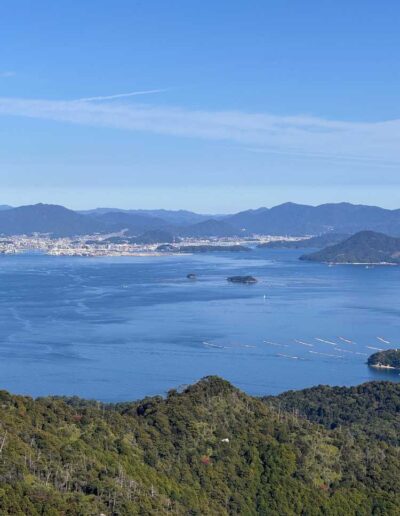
x=116, y=245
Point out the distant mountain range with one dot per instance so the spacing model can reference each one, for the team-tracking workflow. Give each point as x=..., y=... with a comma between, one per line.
x=285, y=219
x=297, y=220
x=176, y=217
x=363, y=247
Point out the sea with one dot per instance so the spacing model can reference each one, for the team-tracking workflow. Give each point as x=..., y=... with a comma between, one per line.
x=122, y=328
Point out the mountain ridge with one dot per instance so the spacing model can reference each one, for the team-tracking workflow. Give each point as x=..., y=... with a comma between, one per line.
x=285, y=219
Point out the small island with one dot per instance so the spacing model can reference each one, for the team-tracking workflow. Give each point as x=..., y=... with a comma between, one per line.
x=242, y=279
x=388, y=359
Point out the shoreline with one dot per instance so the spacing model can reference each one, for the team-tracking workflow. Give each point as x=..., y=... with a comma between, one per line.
x=392, y=264
x=382, y=366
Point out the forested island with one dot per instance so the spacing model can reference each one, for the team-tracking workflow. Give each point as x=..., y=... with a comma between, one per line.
x=210, y=449
x=388, y=359
x=365, y=247
x=242, y=279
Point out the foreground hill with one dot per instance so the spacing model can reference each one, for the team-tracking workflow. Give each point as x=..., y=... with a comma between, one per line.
x=369, y=411
x=208, y=450
x=364, y=247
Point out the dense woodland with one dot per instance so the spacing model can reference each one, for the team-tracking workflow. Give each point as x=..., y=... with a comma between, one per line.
x=210, y=449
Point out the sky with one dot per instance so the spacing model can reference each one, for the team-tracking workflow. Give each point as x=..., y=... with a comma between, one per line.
x=210, y=106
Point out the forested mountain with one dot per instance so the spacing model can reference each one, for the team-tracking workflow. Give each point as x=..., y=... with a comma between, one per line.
x=133, y=223
x=297, y=220
x=47, y=218
x=210, y=449
x=363, y=247
x=210, y=228
x=176, y=217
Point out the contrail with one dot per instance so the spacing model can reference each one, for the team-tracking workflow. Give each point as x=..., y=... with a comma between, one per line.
x=120, y=95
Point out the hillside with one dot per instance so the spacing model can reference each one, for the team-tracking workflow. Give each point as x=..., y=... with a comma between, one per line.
x=363, y=247
x=133, y=223
x=174, y=217
x=210, y=449
x=47, y=218
x=209, y=228
x=367, y=411
x=298, y=220
x=317, y=242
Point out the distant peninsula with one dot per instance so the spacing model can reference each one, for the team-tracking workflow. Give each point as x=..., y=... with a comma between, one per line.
x=202, y=248
x=316, y=242
x=365, y=247
x=389, y=359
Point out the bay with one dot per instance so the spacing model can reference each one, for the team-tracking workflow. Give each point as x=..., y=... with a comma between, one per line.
x=123, y=328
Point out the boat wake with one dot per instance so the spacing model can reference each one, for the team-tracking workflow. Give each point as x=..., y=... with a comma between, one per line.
x=383, y=340
x=275, y=344
x=325, y=354
x=326, y=341
x=348, y=341
x=304, y=343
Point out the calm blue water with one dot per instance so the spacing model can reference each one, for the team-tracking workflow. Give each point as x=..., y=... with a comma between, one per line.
x=122, y=328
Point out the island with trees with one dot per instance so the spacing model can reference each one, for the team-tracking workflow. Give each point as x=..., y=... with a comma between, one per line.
x=387, y=359
x=242, y=279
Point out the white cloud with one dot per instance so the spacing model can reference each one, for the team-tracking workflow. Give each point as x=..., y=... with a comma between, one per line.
x=120, y=95
x=308, y=135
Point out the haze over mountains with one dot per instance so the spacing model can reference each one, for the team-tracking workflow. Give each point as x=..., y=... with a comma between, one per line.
x=285, y=219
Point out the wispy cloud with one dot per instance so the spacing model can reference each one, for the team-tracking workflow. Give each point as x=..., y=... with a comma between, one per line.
x=121, y=95
x=308, y=135
x=7, y=73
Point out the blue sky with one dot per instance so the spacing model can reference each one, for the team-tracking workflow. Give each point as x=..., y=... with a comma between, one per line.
x=237, y=104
